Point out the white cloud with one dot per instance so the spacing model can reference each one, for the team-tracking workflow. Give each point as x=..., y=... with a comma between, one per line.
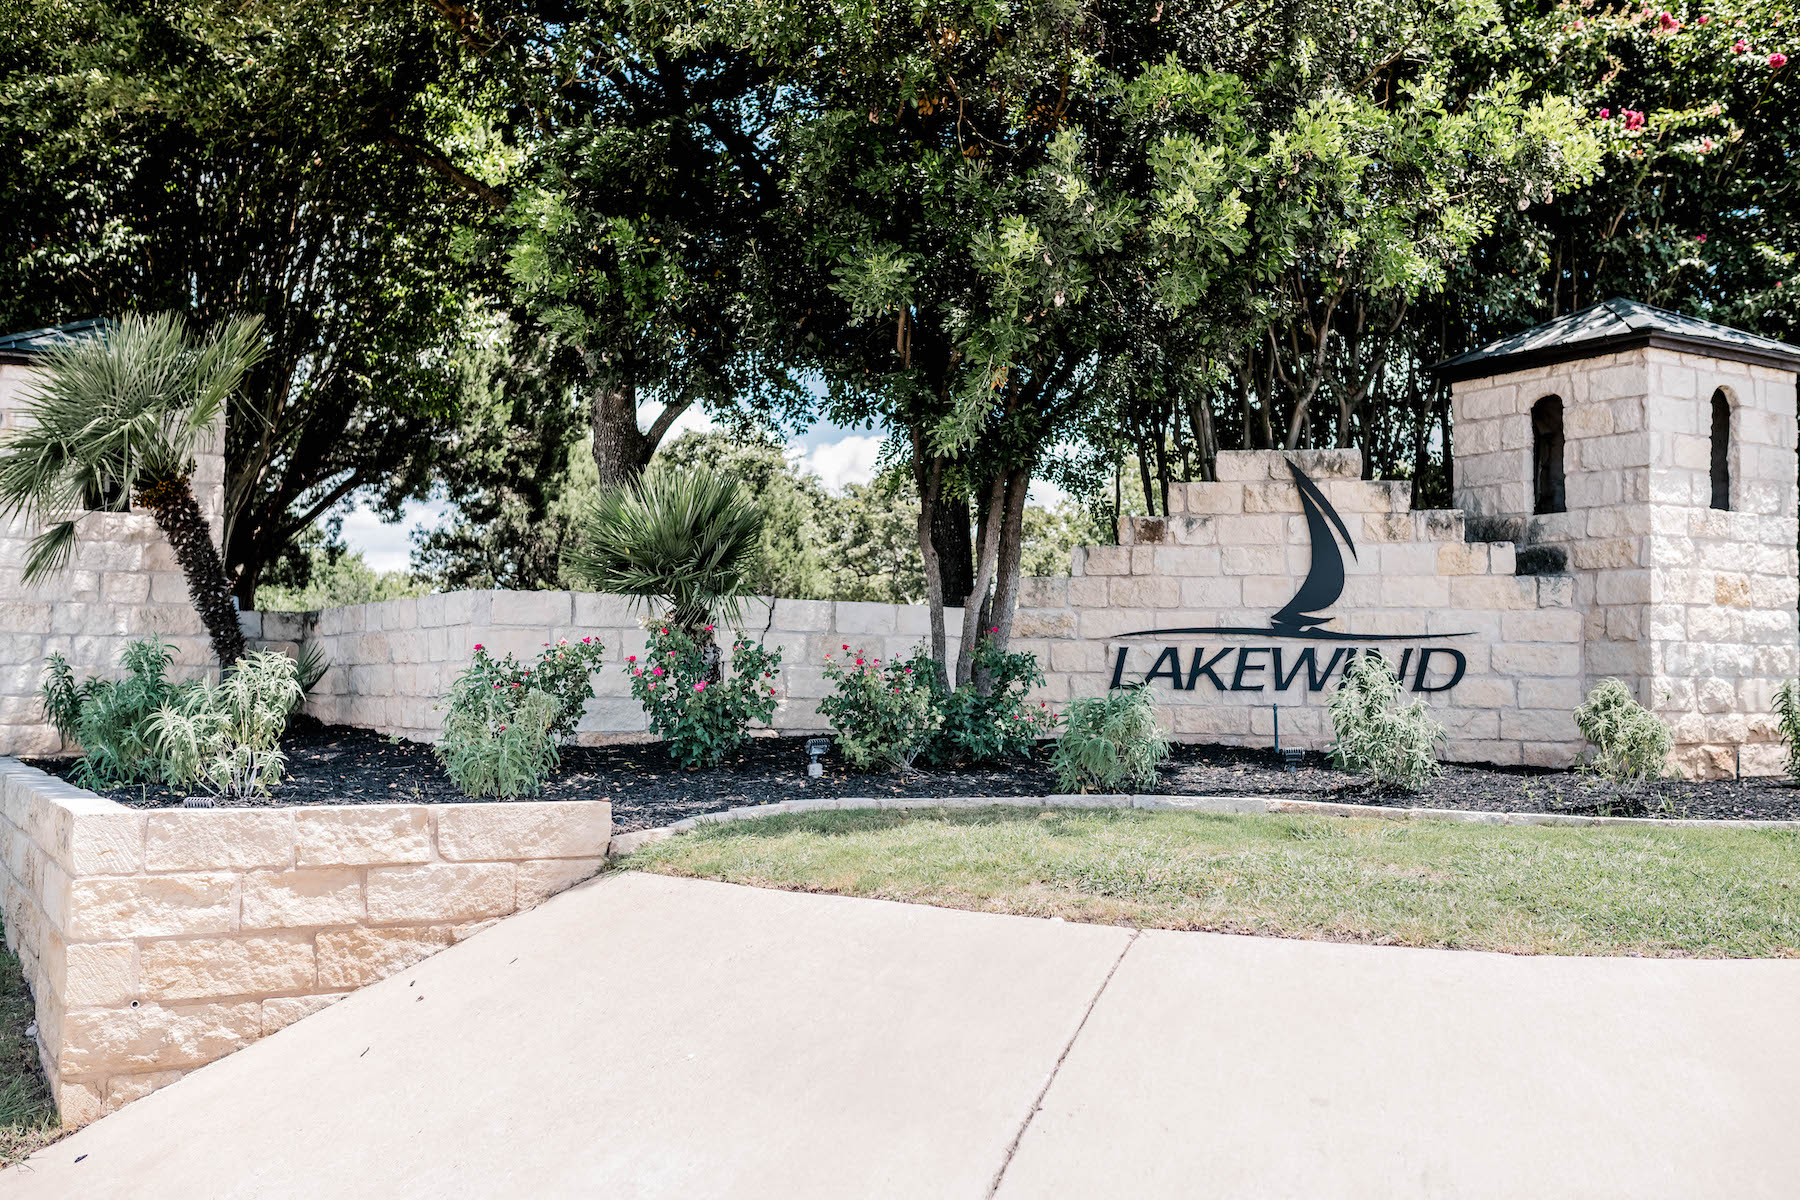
x=388, y=547
x=693, y=419
x=845, y=461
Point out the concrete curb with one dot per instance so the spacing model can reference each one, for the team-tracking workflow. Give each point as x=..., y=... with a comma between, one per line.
x=626, y=843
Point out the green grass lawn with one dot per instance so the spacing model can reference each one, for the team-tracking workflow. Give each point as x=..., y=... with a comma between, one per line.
x=27, y=1114
x=1522, y=889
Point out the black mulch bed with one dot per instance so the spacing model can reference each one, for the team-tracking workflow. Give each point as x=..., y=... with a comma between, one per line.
x=335, y=764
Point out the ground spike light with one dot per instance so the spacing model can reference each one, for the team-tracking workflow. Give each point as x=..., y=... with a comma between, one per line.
x=815, y=749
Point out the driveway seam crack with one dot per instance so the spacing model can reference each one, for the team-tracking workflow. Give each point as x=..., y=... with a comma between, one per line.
x=1038, y=1103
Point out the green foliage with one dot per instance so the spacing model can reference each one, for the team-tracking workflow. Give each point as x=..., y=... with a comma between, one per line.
x=990, y=718
x=688, y=539
x=1787, y=711
x=329, y=576
x=1395, y=745
x=699, y=711
x=499, y=737
x=116, y=415
x=1631, y=743
x=227, y=736
x=110, y=719
x=884, y=716
x=564, y=672
x=1110, y=742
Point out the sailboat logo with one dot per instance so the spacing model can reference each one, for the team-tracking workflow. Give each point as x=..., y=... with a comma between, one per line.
x=1303, y=617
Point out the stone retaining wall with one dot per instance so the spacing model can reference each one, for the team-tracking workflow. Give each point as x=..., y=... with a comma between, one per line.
x=393, y=662
x=158, y=940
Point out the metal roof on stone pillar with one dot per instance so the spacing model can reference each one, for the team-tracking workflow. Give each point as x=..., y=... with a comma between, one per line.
x=29, y=346
x=1611, y=326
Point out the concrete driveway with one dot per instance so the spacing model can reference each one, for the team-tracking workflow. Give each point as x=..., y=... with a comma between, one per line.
x=650, y=1037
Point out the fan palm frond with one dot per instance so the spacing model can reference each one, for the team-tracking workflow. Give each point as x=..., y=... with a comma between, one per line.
x=687, y=538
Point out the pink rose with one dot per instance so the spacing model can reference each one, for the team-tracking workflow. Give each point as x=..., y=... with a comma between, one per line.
x=1739, y=46
x=1701, y=239
x=1605, y=114
x=478, y=645
x=701, y=686
x=1777, y=61
x=1667, y=23
x=656, y=671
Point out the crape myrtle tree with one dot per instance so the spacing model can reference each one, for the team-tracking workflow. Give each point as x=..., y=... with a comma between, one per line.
x=1693, y=207
x=1015, y=221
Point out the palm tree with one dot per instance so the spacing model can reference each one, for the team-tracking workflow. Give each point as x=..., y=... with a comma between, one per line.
x=123, y=414
x=687, y=538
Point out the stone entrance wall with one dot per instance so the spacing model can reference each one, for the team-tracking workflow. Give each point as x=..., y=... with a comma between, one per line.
x=1235, y=551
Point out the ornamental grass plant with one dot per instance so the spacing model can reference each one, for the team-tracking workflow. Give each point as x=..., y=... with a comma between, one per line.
x=226, y=737
x=110, y=718
x=1110, y=742
x=1631, y=744
x=1394, y=745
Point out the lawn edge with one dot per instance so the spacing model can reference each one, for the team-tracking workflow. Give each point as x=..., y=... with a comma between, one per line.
x=623, y=844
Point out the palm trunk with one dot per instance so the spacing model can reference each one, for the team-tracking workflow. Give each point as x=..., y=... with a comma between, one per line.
x=179, y=517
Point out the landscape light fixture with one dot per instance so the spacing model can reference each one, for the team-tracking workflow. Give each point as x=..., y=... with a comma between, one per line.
x=1289, y=758
x=816, y=748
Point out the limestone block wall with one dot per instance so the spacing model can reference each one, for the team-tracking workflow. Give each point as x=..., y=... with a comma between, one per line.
x=1233, y=552
x=123, y=583
x=393, y=662
x=1695, y=607
x=156, y=941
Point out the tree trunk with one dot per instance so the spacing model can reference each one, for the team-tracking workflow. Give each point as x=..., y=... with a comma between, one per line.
x=955, y=549
x=621, y=452
x=928, y=473
x=181, y=521
x=1012, y=553
x=985, y=564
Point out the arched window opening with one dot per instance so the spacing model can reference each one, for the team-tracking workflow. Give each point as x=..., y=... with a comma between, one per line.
x=1547, y=456
x=1721, y=450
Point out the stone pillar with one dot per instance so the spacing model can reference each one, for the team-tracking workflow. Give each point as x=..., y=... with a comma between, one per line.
x=1692, y=606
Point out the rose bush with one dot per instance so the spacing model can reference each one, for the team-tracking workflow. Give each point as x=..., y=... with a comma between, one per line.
x=693, y=705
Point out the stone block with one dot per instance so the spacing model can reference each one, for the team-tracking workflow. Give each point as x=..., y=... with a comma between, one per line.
x=442, y=891
x=538, y=881
x=297, y=899
x=278, y=1012
x=98, y=974
x=123, y=1089
x=1145, y=591
x=1034, y=592
x=1212, y=499
x=1107, y=560
x=863, y=617
x=154, y=1037
x=350, y=958
x=102, y=909
x=523, y=829
x=362, y=835
x=207, y=968
x=216, y=839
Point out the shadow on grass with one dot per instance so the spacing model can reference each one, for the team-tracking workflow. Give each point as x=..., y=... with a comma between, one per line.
x=845, y=822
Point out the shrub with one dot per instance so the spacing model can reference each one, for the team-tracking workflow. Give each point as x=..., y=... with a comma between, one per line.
x=687, y=538
x=1787, y=710
x=498, y=738
x=1109, y=742
x=1003, y=723
x=111, y=718
x=564, y=672
x=1394, y=745
x=226, y=736
x=883, y=715
x=1631, y=743
x=693, y=706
